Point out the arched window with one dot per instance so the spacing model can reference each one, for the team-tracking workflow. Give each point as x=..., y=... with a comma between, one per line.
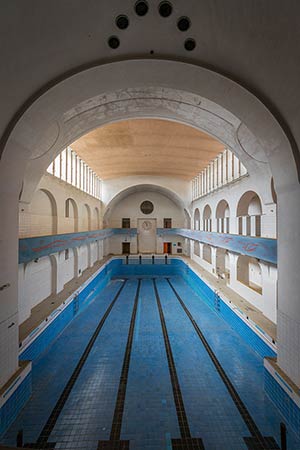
x=43, y=215
x=249, y=213
x=86, y=218
x=196, y=219
x=96, y=219
x=207, y=222
x=222, y=216
x=71, y=215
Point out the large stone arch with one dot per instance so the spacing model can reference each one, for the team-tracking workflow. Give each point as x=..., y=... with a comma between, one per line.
x=142, y=88
x=103, y=94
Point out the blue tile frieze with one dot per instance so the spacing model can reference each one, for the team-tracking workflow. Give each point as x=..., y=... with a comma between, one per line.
x=260, y=248
x=36, y=247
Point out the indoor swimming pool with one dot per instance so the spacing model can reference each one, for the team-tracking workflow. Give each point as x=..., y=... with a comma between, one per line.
x=147, y=358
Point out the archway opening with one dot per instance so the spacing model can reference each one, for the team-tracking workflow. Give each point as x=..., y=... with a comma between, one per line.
x=197, y=219
x=207, y=218
x=249, y=273
x=91, y=98
x=223, y=217
x=249, y=212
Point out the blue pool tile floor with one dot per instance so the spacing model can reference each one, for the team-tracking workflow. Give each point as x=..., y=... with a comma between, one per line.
x=149, y=419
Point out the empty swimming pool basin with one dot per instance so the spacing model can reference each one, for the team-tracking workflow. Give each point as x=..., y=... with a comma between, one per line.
x=150, y=359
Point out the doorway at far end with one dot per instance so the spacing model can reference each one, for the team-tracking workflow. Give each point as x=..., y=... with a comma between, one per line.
x=125, y=248
x=168, y=247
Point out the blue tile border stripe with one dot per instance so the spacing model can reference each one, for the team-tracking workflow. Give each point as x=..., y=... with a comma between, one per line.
x=15, y=397
x=37, y=247
x=282, y=381
x=283, y=396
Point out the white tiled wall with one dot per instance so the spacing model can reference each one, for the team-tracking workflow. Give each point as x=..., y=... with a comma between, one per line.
x=288, y=334
x=9, y=346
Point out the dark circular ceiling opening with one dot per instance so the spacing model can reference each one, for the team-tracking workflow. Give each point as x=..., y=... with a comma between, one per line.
x=190, y=44
x=165, y=9
x=141, y=8
x=114, y=42
x=183, y=23
x=122, y=22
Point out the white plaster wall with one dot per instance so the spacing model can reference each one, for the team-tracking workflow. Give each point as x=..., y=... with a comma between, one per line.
x=39, y=280
x=83, y=258
x=130, y=207
x=110, y=188
x=24, y=306
x=100, y=250
x=66, y=267
x=199, y=260
x=94, y=253
x=249, y=294
x=115, y=244
x=255, y=275
x=106, y=247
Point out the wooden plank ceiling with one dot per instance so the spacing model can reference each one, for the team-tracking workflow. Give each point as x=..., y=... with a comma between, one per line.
x=147, y=147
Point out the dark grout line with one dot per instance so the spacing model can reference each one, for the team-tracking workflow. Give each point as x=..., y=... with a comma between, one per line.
x=42, y=441
x=259, y=441
x=115, y=432
x=186, y=441
x=114, y=442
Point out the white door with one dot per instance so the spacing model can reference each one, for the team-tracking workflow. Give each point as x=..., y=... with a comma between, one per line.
x=146, y=235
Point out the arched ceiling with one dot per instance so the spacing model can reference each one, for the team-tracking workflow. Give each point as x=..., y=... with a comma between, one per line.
x=143, y=188
x=147, y=147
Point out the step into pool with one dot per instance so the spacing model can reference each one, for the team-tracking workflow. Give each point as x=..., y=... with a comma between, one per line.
x=149, y=362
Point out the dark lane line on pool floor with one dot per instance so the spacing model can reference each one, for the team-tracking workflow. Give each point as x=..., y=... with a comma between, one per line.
x=114, y=442
x=257, y=441
x=42, y=441
x=186, y=442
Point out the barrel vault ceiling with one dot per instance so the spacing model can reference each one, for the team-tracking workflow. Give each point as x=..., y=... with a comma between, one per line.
x=147, y=147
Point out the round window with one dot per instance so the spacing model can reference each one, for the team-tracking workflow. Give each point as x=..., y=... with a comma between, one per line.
x=147, y=207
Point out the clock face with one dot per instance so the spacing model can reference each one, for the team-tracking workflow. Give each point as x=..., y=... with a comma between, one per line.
x=147, y=207
x=147, y=225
